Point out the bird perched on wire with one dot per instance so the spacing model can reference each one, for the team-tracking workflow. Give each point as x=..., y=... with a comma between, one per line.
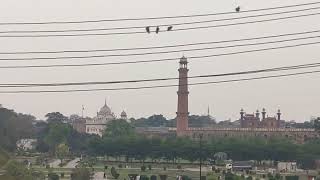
x=238, y=9
x=148, y=29
x=157, y=30
x=169, y=28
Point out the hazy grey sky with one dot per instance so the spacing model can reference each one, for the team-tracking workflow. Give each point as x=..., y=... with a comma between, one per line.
x=298, y=97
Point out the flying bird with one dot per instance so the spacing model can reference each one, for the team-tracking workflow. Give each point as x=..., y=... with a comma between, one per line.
x=238, y=9
x=169, y=28
x=148, y=29
x=157, y=30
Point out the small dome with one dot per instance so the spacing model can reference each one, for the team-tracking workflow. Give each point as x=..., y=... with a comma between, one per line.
x=105, y=110
x=123, y=114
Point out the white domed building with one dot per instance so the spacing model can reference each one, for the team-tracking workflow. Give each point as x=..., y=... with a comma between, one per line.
x=98, y=124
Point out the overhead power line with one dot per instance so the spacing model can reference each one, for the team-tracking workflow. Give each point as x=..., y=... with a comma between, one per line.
x=277, y=69
x=155, y=18
x=152, y=53
x=161, y=86
x=142, y=32
x=161, y=47
x=156, y=25
x=157, y=60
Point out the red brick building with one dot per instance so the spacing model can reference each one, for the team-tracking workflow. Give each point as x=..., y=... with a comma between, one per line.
x=254, y=120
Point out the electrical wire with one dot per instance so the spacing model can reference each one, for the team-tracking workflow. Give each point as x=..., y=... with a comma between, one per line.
x=277, y=69
x=161, y=47
x=154, y=25
x=143, y=32
x=156, y=60
x=161, y=86
x=151, y=53
x=156, y=18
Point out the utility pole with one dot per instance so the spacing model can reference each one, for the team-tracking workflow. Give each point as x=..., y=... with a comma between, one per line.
x=200, y=137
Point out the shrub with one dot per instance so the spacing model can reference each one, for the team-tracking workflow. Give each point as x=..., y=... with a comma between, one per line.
x=53, y=176
x=149, y=167
x=263, y=176
x=132, y=176
x=143, y=168
x=163, y=177
x=80, y=174
x=179, y=166
x=249, y=178
x=185, y=177
x=114, y=173
x=62, y=175
x=144, y=177
x=164, y=168
x=105, y=167
x=153, y=177
x=278, y=176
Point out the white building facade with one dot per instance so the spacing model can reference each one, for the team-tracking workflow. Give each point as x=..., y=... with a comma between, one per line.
x=98, y=124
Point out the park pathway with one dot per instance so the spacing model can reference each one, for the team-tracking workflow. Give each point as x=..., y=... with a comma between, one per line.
x=72, y=164
x=55, y=163
x=98, y=176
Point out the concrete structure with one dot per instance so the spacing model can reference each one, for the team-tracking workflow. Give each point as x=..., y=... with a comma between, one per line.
x=26, y=144
x=183, y=93
x=287, y=167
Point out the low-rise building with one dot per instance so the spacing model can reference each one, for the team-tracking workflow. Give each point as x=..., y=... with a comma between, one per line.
x=26, y=144
x=287, y=166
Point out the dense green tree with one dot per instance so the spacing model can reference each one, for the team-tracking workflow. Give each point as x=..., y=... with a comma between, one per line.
x=80, y=174
x=152, y=121
x=317, y=124
x=58, y=133
x=13, y=127
x=56, y=117
x=116, y=128
x=62, y=151
x=15, y=170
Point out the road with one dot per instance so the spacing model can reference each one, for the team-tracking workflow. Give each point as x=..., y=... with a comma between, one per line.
x=73, y=163
x=55, y=163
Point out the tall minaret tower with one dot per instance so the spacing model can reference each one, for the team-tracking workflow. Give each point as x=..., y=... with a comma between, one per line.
x=182, y=113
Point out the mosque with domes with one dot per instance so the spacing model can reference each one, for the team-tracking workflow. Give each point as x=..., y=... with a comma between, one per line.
x=98, y=124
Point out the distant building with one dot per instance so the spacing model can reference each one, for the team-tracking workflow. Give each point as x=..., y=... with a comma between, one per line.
x=124, y=116
x=254, y=120
x=26, y=144
x=287, y=166
x=98, y=124
x=242, y=165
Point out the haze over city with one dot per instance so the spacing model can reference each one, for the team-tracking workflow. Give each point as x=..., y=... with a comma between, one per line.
x=296, y=96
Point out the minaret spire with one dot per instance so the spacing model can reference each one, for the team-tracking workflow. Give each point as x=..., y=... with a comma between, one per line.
x=182, y=113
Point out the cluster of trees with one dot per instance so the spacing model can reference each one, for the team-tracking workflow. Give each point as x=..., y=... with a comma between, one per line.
x=161, y=121
x=57, y=137
x=14, y=126
x=120, y=140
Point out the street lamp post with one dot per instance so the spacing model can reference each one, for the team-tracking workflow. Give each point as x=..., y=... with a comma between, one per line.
x=200, y=137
